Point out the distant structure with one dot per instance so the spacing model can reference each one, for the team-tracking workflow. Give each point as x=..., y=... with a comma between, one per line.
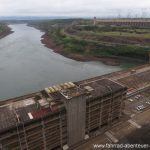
x=94, y=23
x=143, y=23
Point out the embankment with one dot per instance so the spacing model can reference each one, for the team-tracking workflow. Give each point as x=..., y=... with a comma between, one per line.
x=6, y=32
x=112, y=60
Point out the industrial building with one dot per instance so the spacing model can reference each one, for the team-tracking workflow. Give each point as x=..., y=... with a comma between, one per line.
x=62, y=116
x=141, y=23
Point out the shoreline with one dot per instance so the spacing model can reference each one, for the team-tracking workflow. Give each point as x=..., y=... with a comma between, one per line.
x=112, y=60
x=6, y=32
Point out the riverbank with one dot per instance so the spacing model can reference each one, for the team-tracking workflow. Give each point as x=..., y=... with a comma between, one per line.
x=112, y=60
x=6, y=32
x=28, y=66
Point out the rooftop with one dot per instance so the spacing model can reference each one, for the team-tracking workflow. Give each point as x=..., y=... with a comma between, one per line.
x=102, y=87
x=25, y=110
x=72, y=92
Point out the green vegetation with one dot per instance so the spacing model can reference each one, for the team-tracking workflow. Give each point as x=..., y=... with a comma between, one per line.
x=3, y=27
x=80, y=36
x=128, y=65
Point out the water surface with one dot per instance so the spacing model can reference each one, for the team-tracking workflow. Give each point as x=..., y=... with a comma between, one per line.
x=26, y=65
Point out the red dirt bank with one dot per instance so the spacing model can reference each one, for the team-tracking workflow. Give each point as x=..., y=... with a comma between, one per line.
x=5, y=33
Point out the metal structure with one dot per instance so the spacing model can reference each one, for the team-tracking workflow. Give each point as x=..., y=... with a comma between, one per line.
x=95, y=19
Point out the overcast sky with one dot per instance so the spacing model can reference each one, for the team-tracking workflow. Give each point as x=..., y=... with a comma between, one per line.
x=82, y=8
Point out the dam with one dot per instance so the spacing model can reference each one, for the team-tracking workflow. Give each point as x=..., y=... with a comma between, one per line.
x=141, y=23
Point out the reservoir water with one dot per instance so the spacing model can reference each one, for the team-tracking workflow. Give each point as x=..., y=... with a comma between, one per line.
x=27, y=66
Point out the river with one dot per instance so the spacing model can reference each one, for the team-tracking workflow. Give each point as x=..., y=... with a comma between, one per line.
x=27, y=66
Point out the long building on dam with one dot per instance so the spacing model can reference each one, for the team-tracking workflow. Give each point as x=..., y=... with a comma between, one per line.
x=66, y=115
x=141, y=23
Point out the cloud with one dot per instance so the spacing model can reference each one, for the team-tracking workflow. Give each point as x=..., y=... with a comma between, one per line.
x=74, y=7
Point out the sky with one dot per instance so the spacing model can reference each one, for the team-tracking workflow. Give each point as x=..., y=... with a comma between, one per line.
x=77, y=8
